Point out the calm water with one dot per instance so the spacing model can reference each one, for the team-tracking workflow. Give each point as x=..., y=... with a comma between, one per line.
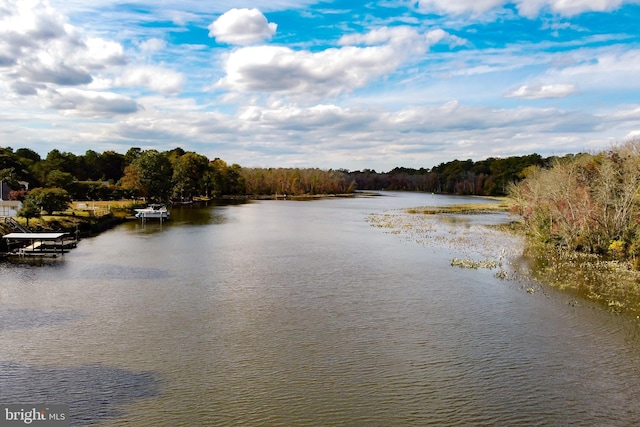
x=303, y=314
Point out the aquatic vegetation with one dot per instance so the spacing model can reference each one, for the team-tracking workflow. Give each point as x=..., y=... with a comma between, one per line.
x=475, y=245
x=470, y=263
x=610, y=282
x=464, y=208
x=502, y=274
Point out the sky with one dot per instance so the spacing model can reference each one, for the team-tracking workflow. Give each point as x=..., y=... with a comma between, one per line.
x=333, y=84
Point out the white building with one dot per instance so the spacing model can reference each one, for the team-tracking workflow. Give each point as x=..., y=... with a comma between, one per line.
x=9, y=207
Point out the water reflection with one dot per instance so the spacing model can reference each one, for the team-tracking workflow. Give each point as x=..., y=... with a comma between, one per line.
x=197, y=214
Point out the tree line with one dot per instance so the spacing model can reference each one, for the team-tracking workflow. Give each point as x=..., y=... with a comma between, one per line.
x=180, y=176
x=490, y=177
x=174, y=175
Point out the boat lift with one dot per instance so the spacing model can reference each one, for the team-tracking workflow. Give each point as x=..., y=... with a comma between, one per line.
x=39, y=244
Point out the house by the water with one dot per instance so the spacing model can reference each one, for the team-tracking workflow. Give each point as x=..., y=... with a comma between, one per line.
x=9, y=207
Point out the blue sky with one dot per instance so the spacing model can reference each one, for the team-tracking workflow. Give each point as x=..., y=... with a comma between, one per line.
x=327, y=84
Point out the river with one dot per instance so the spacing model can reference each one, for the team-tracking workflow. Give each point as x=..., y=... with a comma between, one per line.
x=289, y=313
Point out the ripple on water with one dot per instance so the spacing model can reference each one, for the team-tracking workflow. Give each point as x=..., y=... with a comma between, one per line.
x=31, y=318
x=94, y=393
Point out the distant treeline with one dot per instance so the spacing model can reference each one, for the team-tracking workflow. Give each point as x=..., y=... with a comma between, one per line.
x=179, y=175
x=490, y=177
x=296, y=181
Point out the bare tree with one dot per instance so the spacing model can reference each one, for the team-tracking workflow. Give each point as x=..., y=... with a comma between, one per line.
x=585, y=202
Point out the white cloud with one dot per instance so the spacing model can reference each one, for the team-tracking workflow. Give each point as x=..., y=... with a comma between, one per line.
x=447, y=131
x=155, y=78
x=609, y=66
x=528, y=8
x=152, y=45
x=39, y=45
x=403, y=37
x=242, y=26
x=52, y=70
x=448, y=122
x=329, y=72
x=45, y=59
x=90, y=103
x=99, y=54
x=283, y=70
x=385, y=35
x=455, y=117
x=292, y=117
x=459, y=7
x=531, y=8
x=542, y=91
x=31, y=20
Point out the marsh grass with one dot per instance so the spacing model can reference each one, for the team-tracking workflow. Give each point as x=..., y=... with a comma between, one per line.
x=610, y=283
x=503, y=205
x=475, y=246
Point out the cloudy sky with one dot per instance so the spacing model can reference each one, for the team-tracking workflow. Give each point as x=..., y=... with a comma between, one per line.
x=321, y=83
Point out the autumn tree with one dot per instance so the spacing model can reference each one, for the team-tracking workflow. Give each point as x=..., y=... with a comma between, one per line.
x=616, y=185
x=149, y=175
x=131, y=181
x=296, y=181
x=587, y=202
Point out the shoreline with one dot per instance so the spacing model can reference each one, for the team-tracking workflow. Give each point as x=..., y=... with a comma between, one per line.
x=93, y=217
x=609, y=283
x=299, y=196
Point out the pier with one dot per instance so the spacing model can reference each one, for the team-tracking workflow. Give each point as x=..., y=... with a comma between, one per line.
x=39, y=244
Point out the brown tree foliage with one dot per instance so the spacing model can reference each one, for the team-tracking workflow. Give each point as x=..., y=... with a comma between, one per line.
x=294, y=181
x=589, y=202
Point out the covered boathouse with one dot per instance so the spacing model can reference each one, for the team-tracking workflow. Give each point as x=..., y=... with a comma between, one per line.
x=39, y=244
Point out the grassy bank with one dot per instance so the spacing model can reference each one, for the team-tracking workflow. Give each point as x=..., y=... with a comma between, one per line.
x=87, y=218
x=85, y=225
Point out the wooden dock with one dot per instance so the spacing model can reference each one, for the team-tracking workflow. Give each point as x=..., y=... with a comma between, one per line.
x=39, y=244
